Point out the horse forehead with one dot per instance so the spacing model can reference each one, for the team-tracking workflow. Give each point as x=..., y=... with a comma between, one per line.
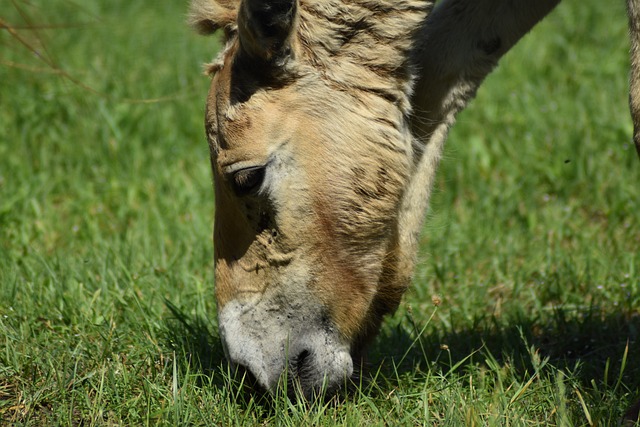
x=250, y=126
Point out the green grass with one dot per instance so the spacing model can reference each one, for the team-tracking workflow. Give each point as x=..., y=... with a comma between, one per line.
x=107, y=315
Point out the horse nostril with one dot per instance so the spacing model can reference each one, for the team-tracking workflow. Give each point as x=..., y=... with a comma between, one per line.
x=301, y=362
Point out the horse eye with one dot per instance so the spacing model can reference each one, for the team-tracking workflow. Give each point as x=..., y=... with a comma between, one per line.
x=247, y=180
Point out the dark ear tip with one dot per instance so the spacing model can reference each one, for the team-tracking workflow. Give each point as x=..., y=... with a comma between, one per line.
x=265, y=28
x=282, y=6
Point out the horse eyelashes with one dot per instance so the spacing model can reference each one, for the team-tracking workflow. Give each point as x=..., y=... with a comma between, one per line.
x=248, y=180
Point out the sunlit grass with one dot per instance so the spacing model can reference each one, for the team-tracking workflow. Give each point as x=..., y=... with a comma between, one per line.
x=107, y=314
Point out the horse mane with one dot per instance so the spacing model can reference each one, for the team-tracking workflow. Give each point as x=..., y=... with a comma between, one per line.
x=355, y=45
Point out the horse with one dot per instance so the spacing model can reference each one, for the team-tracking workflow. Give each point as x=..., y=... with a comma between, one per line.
x=326, y=121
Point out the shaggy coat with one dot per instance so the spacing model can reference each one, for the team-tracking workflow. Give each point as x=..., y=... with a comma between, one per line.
x=326, y=121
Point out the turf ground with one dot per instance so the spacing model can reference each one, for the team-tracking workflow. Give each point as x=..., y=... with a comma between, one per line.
x=107, y=314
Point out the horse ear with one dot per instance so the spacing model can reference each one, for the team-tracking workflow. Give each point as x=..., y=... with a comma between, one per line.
x=266, y=28
x=207, y=16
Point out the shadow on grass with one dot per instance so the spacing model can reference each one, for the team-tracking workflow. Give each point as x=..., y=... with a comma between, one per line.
x=196, y=339
x=597, y=349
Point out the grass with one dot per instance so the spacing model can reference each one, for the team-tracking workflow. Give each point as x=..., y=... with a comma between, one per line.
x=107, y=314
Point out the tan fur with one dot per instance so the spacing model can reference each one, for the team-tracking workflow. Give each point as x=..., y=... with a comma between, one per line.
x=355, y=72
x=207, y=16
x=633, y=8
x=348, y=104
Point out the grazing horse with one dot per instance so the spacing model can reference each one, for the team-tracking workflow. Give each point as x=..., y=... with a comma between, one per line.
x=326, y=121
